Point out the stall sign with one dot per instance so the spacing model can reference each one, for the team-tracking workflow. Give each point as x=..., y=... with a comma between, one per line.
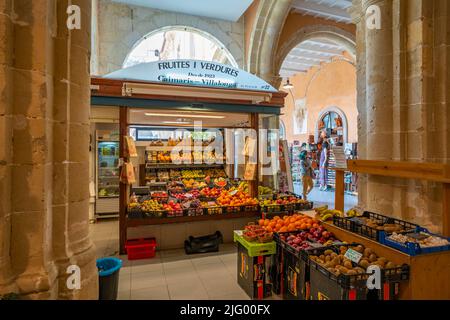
x=193, y=73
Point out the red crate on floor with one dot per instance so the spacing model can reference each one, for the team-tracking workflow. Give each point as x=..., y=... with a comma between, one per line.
x=141, y=248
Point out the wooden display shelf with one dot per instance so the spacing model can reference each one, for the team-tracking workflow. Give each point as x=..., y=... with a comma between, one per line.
x=182, y=166
x=429, y=273
x=133, y=223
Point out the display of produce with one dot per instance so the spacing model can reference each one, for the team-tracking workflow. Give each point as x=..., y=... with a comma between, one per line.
x=192, y=174
x=174, y=209
x=324, y=214
x=194, y=184
x=336, y=262
x=264, y=190
x=220, y=182
x=423, y=239
x=215, y=173
x=255, y=233
x=289, y=223
x=236, y=198
x=305, y=239
x=210, y=192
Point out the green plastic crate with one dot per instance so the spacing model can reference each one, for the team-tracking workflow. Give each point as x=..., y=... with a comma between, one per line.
x=255, y=249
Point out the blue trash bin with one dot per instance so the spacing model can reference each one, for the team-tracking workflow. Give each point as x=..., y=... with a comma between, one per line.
x=108, y=272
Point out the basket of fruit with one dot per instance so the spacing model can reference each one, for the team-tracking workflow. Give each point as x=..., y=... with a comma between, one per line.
x=192, y=208
x=336, y=276
x=211, y=208
x=173, y=209
x=265, y=237
x=160, y=196
x=232, y=209
x=152, y=209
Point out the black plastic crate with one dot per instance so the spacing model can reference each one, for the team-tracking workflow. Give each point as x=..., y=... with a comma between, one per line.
x=232, y=209
x=304, y=206
x=295, y=276
x=375, y=234
x=276, y=270
x=324, y=285
x=135, y=214
x=213, y=211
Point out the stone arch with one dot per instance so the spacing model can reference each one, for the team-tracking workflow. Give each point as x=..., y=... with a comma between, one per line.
x=327, y=32
x=219, y=56
x=341, y=114
x=117, y=38
x=270, y=18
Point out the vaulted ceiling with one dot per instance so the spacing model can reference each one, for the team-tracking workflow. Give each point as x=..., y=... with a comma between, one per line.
x=313, y=52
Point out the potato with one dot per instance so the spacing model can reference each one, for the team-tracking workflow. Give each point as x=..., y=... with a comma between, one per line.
x=334, y=255
x=343, y=249
x=359, y=270
x=328, y=252
x=364, y=263
x=336, y=261
x=367, y=252
x=383, y=259
x=390, y=229
x=359, y=248
x=342, y=269
x=348, y=264
x=389, y=265
x=373, y=257
x=322, y=257
x=352, y=273
x=381, y=263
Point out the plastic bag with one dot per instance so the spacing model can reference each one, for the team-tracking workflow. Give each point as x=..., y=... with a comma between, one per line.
x=130, y=147
x=127, y=175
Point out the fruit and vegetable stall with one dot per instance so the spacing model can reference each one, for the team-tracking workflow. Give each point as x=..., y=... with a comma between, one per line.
x=331, y=255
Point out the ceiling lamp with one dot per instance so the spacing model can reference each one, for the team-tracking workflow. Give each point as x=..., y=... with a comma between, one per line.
x=201, y=116
x=288, y=85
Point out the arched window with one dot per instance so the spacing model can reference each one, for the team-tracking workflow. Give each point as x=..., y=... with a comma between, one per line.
x=179, y=43
x=334, y=122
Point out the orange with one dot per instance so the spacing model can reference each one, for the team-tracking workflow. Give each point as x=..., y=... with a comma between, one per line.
x=298, y=224
x=276, y=218
x=261, y=222
x=292, y=220
x=308, y=226
x=284, y=229
x=315, y=225
x=266, y=222
x=303, y=226
x=279, y=226
x=269, y=229
x=272, y=224
x=291, y=227
x=286, y=217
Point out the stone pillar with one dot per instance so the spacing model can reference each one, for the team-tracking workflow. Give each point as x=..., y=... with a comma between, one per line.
x=44, y=113
x=403, y=96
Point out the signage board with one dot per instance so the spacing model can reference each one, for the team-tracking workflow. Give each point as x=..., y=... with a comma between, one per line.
x=193, y=73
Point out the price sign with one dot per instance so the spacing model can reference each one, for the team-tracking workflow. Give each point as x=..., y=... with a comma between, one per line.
x=353, y=255
x=232, y=193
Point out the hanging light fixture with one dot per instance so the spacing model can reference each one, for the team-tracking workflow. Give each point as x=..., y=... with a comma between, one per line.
x=288, y=85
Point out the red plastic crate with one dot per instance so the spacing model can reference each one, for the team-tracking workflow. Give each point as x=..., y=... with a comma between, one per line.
x=138, y=249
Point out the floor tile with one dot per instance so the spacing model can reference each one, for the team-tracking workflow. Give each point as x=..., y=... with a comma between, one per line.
x=147, y=280
x=154, y=293
x=149, y=265
x=124, y=281
x=187, y=290
x=176, y=276
x=238, y=295
x=178, y=264
x=124, y=295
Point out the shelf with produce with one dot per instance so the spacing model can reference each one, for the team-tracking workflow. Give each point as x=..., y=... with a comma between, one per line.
x=181, y=166
x=158, y=221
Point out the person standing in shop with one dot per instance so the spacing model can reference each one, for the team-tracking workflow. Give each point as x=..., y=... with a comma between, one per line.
x=307, y=174
x=323, y=170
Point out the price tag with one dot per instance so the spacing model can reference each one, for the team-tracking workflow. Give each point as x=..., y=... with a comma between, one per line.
x=353, y=255
x=232, y=193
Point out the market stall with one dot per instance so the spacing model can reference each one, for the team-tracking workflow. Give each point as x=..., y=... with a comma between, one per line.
x=160, y=104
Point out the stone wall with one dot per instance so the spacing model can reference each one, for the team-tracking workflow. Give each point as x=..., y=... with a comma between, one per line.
x=121, y=26
x=403, y=102
x=44, y=145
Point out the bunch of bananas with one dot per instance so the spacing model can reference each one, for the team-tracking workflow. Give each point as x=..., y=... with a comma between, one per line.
x=324, y=214
x=353, y=213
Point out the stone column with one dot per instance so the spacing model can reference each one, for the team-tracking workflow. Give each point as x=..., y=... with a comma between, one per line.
x=403, y=102
x=44, y=159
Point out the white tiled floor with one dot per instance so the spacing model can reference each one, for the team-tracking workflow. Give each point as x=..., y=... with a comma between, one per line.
x=172, y=274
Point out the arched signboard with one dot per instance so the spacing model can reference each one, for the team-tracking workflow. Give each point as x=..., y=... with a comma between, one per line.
x=193, y=73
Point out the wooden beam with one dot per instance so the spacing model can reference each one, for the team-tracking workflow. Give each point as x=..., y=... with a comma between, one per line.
x=409, y=170
x=446, y=210
x=339, y=196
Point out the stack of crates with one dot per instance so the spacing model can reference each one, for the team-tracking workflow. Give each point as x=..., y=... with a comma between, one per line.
x=254, y=263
